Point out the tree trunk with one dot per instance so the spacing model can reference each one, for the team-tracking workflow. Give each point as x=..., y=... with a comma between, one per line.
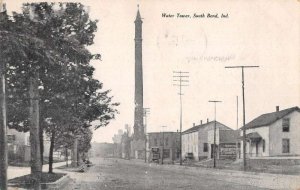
x=75, y=153
x=51, y=152
x=42, y=146
x=78, y=156
x=34, y=133
x=67, y=157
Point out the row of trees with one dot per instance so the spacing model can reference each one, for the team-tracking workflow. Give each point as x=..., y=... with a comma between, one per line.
x=49, y=81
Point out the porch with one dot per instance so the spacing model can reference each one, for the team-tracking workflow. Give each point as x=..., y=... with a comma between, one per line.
x=255, y=145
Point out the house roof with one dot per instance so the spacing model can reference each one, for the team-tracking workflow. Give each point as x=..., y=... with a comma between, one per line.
x=197, y=127
x=170, y=134
x=269, y=118
x=228, y=136
x=165, y=132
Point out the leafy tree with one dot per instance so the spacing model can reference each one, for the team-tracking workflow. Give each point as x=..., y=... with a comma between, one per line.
x=47, y=45
x=20, y=46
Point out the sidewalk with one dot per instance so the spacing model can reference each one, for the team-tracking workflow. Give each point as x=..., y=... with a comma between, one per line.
x=262, y=180
x=13, y=171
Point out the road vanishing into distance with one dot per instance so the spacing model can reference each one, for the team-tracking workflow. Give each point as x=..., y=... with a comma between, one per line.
x=110, y=174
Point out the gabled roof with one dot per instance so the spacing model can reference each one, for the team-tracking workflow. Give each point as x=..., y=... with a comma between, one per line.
x=269, y=118
x=229, y=136
x=197, y=127
x=165, y=132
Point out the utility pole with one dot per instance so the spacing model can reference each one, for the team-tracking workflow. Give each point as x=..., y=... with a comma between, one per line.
x=127, y=143
x=237, y=112
x=215, y=126
x=3, y=134
x=146, y=112
x=182, y=79
x=163, y=146
x=36, y=167
x=3, y=126
x=237, y=127
x=244, y=112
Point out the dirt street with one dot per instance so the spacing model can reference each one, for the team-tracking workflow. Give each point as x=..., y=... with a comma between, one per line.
x=110, y=174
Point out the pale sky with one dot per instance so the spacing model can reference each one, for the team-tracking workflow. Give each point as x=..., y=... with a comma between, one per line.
x=264, y=33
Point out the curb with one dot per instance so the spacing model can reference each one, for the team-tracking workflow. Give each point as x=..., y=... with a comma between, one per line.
x=57, y=185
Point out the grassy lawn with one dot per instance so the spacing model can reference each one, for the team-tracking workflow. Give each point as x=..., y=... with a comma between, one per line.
x=27, y=181
x=267, y=166
x=221, y=164
x=19, y=164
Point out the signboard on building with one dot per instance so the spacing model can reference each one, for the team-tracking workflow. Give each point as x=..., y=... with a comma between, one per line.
x=155, y=154
x=228, y=150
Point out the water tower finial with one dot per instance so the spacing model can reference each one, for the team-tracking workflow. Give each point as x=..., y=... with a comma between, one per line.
x=2, y=6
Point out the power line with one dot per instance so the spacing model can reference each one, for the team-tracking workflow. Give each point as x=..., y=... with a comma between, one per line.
x=181, y=78
x=244, y=112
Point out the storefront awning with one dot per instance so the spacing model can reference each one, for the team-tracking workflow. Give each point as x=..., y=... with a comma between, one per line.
x=253, y=136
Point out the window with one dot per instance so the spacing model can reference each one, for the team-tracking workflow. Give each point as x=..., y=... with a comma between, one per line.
x=167, y=141
x=263, y=145
x=285, y=124
x=205, y=147
x=11, y=138
x=166, y=153
x=155, y=142
x=27, y=143
x=285, y=145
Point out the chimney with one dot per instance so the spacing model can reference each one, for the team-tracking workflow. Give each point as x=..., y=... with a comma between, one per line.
x=200, y=122
x=277, y=108
x=207, y=120
x=193, y=124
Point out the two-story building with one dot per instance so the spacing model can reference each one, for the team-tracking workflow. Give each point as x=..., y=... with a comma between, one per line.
x=274, y=134
x=18, y=146
x=195, y=140
x=167, y=143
